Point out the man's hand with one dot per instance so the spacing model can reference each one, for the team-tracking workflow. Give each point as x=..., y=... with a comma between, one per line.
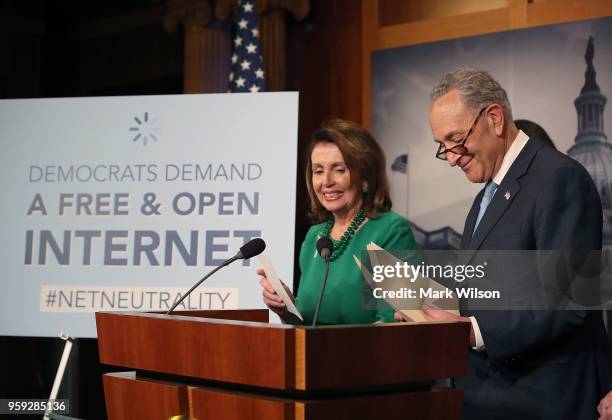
x=605, y=407
x=442, y=315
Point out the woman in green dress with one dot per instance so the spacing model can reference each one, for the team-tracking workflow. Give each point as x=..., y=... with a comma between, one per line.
x=349, y=202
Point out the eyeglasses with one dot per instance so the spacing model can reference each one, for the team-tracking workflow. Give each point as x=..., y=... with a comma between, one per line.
x=459, y=149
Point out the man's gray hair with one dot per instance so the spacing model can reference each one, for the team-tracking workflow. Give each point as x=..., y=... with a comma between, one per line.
x=476, y=87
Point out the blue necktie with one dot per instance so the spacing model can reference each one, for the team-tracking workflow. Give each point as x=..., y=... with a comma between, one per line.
x=486, y=199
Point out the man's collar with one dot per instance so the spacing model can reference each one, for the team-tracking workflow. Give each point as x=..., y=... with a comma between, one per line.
x=515, y=148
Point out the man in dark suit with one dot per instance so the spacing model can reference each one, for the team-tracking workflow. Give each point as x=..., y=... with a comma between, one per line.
x=538, y=362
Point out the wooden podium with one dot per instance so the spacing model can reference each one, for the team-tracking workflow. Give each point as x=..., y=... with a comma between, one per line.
x=226, y=365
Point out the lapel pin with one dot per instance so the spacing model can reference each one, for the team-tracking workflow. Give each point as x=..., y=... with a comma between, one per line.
x=507, y=195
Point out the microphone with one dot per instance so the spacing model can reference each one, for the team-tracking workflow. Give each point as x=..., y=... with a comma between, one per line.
x=249, y=250
x=325, y=248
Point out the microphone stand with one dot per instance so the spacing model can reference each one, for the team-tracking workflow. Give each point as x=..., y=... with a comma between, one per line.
x=225, y=263
x=316, y=314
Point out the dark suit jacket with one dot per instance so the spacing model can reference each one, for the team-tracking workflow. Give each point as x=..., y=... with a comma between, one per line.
x=537, y=364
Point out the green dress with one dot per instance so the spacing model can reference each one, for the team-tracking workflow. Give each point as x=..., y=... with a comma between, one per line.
x=343, y=301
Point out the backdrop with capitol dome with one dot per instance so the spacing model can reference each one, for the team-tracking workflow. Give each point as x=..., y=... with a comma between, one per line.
x=557, y=76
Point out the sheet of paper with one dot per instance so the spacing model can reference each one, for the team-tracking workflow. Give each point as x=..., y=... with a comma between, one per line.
x=382, y=257
x=272, y=277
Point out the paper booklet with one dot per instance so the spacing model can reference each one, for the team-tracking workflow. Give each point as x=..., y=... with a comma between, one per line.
x=378, y=256
x=292, y=315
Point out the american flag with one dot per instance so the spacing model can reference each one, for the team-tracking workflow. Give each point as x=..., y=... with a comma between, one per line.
x=246, y=72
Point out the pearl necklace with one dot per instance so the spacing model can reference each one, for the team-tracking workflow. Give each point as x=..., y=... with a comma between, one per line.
x=340, y=244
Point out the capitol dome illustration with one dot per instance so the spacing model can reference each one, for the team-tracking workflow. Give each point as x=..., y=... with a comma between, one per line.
x=592, y=148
